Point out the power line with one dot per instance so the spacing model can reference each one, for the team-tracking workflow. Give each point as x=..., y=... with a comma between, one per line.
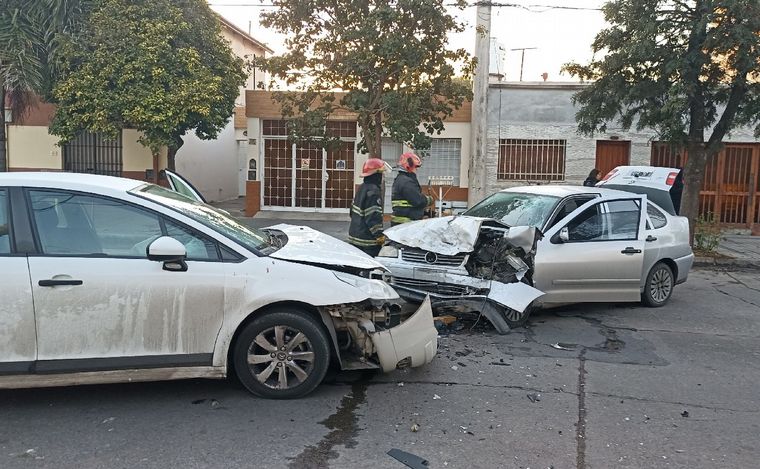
x=531, y=7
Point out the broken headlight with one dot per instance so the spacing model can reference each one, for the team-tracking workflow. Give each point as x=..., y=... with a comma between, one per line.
x=388, y=251
x=375, y=289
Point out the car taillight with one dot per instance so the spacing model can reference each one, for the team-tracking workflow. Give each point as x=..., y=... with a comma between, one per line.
x=610, y=174
x=671, y=178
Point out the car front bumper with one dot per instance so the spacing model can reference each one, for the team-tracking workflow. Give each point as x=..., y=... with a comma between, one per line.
x=412, y=343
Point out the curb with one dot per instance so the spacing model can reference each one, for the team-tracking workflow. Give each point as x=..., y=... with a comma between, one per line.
x=726, y=263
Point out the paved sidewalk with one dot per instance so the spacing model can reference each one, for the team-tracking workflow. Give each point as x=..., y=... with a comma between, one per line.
x=735, y=250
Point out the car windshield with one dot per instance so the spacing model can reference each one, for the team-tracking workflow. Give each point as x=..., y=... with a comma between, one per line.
x=515, y=208
x=215, y=219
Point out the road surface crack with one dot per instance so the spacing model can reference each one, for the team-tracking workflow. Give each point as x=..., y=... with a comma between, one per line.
x=580, y=430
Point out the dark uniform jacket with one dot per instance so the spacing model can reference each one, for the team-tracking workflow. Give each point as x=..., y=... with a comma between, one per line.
x=407, y=199
x=366, y=229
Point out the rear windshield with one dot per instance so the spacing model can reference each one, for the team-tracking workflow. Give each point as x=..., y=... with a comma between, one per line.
x=516, y=208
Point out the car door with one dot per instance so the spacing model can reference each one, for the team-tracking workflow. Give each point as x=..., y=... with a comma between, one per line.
x=18, y=345
x=101, y=304
x=594, y=254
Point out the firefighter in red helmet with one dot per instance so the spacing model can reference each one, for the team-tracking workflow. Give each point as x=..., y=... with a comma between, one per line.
x=366, y=229
x=407, y=199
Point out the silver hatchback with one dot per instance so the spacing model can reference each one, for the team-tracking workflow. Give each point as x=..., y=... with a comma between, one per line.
x=540, y=246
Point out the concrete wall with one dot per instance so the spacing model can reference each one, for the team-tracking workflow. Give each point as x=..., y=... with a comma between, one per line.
x=545, y=111
x=211, y=165
x=32, y=147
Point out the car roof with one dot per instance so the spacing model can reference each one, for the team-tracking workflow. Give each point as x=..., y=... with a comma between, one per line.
x=71, y=181
x=563, y=190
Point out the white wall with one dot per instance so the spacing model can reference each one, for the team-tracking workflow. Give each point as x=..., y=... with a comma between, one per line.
x=211, y=165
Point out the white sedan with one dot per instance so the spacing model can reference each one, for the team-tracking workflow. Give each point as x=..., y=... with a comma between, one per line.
x=110, y=280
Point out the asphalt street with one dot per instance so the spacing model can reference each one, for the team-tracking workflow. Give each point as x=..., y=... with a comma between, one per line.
x=588, y=386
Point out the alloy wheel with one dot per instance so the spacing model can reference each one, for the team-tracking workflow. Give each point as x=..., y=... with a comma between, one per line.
x=281, y=357
x=661, y=285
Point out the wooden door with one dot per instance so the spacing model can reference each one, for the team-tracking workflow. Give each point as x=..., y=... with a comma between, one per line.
x=611, y=154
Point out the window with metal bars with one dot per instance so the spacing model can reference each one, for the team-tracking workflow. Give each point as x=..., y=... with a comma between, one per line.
x=442, y=159
x=531, y=159
x=93, y=153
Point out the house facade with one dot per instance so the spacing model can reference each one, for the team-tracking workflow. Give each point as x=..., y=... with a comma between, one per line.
x=533, y=139
x=290, y=176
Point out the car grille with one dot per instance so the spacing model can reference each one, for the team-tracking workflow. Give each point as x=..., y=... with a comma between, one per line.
x=432, y=287
x=419, y=256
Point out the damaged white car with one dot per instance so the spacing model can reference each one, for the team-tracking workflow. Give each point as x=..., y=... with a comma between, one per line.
x=541, y=246
x=112, y=280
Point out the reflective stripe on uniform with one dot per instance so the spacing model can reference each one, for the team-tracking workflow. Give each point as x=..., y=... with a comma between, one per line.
x=397, y=219
x=400, y=203
x=367, y=211
x=363, y=242
x=376, y=229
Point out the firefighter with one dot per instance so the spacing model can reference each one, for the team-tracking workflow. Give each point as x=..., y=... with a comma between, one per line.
x=366, y=229
x=407, y=199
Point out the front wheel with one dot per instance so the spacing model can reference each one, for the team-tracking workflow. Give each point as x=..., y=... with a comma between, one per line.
x=658, y=286
x=283, y=354
x=516, y=318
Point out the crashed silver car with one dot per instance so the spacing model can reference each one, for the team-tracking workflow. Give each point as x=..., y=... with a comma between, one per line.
x=541, y=246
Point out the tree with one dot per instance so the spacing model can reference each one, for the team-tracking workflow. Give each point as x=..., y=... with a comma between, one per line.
x=390, y=57
x=683, y=68
x=29, y=38
x=158, y=66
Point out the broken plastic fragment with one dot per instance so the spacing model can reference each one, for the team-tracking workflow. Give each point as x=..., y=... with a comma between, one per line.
x=560, y=346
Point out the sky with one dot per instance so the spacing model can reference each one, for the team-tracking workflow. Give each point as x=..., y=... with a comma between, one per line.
x=559, y=35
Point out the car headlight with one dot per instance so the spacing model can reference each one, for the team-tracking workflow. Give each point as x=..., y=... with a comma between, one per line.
x=375, y=289
x=388, y=251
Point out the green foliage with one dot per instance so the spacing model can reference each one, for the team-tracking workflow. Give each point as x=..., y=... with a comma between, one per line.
x=391, y=58
x=158, y=66
x=675, y=66
x=707, y=234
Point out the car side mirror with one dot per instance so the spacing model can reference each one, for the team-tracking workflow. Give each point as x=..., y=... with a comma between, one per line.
x=564, y=234
x=169, y=251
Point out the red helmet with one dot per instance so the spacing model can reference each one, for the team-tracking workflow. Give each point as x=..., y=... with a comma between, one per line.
x=410, y=162
x=372, y=166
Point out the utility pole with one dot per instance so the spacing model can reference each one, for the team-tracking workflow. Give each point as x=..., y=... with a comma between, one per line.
x=478, y=173
x=522, y=59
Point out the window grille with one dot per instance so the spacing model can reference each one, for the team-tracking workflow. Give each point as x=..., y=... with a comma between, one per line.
x=531, y=159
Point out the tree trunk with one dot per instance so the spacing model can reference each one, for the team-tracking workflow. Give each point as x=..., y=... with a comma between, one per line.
x=693, y=179
x=3, y=137
x=379, y=135
x=156, y=169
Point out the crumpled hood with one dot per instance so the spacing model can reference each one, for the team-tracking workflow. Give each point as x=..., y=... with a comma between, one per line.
x=311, y=246
x=445, y=235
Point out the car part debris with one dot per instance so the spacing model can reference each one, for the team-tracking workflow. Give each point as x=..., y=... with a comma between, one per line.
x=534, y=397
x=408, y=459
x=560, y=346
x=685, y=413
x=415, y=428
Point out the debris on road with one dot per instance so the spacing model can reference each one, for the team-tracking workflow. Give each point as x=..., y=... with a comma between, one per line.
x=561, y=346
x=415, y=428
x=454, y=367
x=408, y=459
x=685, y=413
x=436, y=397
x=534, y=397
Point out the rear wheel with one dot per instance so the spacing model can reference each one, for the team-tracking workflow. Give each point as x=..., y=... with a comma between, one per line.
x=283, y=354
x=659, y=285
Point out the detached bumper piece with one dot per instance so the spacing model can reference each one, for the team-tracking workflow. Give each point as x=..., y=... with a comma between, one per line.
x=412, y=343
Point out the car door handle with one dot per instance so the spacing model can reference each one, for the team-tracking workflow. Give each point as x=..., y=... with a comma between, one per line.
x=56, y=283
x=651, y=238
x=631, y=251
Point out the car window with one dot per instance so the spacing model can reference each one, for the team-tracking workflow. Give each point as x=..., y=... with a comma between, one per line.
x=76, y=224
x=5, y=238
x=515, y=208
x=656, y=216
x=606, y=221
x=198, y=247
x=568, y=207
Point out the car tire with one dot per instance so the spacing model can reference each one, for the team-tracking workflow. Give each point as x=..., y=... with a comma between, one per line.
x=283, y=354
x=516, y=318
x=658, y=286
